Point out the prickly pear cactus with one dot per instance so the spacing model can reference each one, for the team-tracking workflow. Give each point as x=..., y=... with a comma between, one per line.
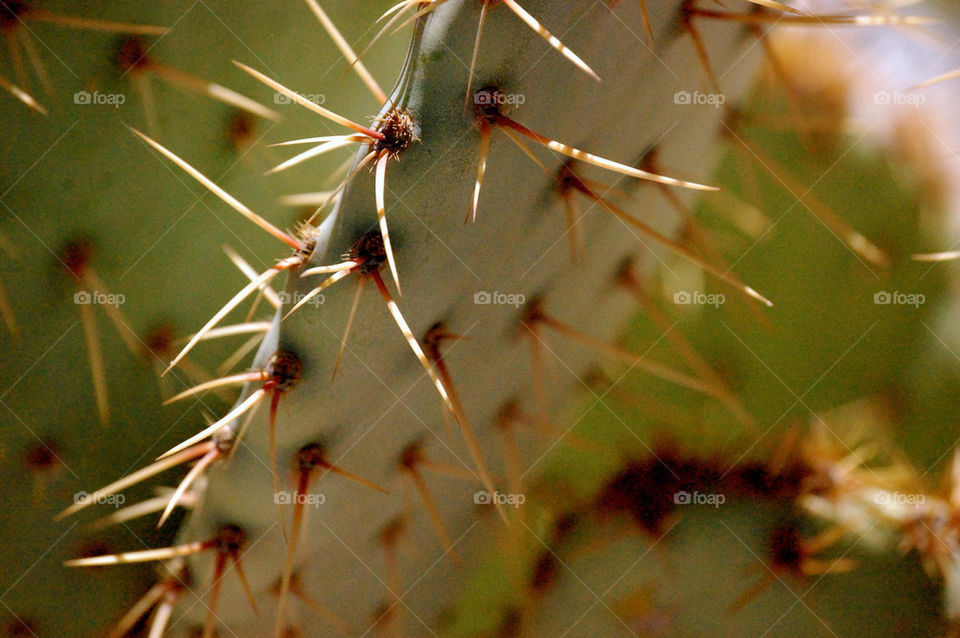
x=507, y=376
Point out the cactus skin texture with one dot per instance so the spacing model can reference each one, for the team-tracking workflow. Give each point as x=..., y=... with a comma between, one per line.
x=593, y=502
x=439, y=283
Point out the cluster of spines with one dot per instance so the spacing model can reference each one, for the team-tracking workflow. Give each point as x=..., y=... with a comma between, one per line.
x=846, y=486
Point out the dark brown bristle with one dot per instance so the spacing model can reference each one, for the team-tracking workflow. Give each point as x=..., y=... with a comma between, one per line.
x=508, y=413
x=567, y=179
x=383, y=613
x=533, y=313
x=486, y=104
x=398, y=130
x=160, y=340
x=21, y=628
x=411, y=456
x=433, y=340
x=435, y=336
x=564, y=526
x=646, y=489
x=510, y=624
x=42, y=457
x=392, y=531
x=182, y=581
x=786, y=548
x=649, y=160
x=595, y=379
x=295, y=584
x=12, y=13
x=687, y=10
x=370, y=252
x=311, y=456
x=285, y=369
x=241, y=128
x=132, y=54
x=626, y=275
x=754, y=479
x=230, y=539
x=544, y=572
x=94, y=547
x=76, y=255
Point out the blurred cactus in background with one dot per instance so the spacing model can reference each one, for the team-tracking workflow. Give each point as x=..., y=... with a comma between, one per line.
x=593, y=319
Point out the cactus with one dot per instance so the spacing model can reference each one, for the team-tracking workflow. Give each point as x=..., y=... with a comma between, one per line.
x=493, y=172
